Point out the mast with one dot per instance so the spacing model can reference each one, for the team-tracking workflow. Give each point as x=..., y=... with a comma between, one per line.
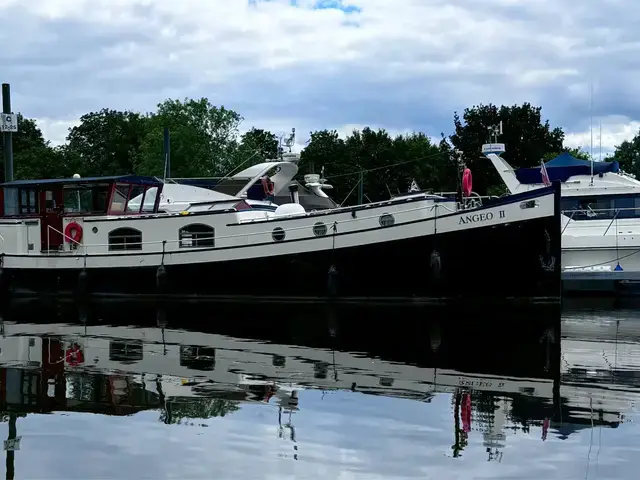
x=591, y=119
x=600, y=139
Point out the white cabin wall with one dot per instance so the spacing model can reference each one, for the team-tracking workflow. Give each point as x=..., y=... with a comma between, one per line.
x=17, y=350
x=18, y=234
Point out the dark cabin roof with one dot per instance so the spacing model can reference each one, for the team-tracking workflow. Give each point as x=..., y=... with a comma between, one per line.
x=132, y=179
x=563, y=167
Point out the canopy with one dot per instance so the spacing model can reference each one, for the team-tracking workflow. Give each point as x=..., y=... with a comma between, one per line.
x=563, y=167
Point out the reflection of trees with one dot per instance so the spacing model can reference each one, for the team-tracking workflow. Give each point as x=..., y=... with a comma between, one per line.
x=177, y=411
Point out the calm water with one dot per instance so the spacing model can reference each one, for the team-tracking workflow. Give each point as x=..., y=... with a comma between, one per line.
x=275, y=392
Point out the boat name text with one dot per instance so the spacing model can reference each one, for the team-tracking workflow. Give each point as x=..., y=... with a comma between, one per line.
x=480, y=217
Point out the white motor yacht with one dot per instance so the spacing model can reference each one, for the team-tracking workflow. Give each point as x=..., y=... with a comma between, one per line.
x=600, y=217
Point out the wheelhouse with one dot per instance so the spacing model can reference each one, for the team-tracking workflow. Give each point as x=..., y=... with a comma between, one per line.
x=54, y=202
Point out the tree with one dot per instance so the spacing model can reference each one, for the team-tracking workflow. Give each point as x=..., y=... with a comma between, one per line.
x=203, y=139
x=526, y=137
x=627, y=154
x=105, y=142
x=257, y=143
x=327, y=150
x=388, y=165
x=33, y=156
x=179, y=410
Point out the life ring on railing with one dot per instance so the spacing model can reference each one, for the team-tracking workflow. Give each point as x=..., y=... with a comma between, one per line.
x=73, y=232
x=268, y=185
x=466, y=183
x=74, y=355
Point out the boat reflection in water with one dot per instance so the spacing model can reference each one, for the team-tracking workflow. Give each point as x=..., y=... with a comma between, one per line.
x=502, y=373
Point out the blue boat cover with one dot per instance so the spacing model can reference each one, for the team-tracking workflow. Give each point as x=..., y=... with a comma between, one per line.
x=564, y=166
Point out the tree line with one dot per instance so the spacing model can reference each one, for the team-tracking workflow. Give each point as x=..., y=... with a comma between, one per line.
x=205, y=142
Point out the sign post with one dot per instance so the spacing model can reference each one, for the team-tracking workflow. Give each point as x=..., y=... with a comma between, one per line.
x=8, y=126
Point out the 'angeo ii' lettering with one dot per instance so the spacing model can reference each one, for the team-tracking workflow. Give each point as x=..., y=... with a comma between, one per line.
x=476, y=217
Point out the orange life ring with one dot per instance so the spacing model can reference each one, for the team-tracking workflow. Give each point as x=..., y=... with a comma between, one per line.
x=73, y=232
x=74, y=355
x=267, y=185
x=466, y=183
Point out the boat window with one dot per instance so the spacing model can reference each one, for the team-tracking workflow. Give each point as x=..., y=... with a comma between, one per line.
x=149, y=200
x=197, y=235
x=125, y=239
x=603, y=207
x=120, y=197
x=28, y=203
x=11, y=201
x=78, y=200
x=582, y=208
x=126, y=351
x=135, y=197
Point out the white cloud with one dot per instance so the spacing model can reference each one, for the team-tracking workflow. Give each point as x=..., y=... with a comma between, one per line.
x=404, y=65
x=606, y=134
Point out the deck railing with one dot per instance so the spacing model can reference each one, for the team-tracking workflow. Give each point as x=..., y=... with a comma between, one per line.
x=612, y=214
x=332, y=227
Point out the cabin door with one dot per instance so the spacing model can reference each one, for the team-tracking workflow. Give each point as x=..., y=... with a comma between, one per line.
x=51, y=209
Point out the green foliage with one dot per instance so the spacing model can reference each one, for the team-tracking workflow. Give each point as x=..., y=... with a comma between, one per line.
x=205, y=142
x=627, y=154
x=526, y=137
x=105, y=143
x=389, y=164
x=180, y=410
x=33, y=156
x=203, y=139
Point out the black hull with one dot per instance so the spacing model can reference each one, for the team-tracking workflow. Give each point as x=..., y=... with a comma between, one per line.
x=518, y=262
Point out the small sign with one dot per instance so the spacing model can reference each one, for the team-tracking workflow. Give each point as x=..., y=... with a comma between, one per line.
x=8, y=122
x=12, y=444
x=493, y=148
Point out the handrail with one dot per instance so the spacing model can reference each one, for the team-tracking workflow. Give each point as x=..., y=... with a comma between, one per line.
x=314, y=219
x=64, y=236
x=611, y=223
x=237, y=235
x=581, y=210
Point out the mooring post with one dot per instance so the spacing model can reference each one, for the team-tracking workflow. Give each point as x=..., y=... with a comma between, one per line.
x=7, y=133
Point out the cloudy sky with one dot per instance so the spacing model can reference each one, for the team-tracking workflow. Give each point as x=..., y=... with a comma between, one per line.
x=402, y=65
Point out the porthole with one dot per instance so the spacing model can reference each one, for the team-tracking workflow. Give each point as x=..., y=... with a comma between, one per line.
x=278, y=234
x=387, y=220
x=319, y=229
x=529, y=204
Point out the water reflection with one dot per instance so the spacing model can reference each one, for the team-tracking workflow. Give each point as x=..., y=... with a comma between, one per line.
x=381, y=393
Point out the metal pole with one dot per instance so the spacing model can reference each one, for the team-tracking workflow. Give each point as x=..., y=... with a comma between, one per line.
x=10, y=453
x=8, y=136
x=361, y=188
x=167, y=153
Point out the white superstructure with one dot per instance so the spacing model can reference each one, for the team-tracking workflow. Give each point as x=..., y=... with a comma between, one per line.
x=600, y=213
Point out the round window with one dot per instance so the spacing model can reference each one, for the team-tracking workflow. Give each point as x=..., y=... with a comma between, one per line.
x=386, y=220
x=278, y=234
x=319, y=229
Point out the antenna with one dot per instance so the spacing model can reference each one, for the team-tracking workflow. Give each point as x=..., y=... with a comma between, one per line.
x=591, y=119
x=290, y=142
x=600, y=139
x=494, y=132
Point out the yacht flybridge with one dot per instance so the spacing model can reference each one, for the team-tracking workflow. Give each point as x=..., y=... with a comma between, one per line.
x=600, y=216
x=229, y=239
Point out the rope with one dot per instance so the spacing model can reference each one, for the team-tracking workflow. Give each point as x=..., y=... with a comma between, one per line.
x=385, y=166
